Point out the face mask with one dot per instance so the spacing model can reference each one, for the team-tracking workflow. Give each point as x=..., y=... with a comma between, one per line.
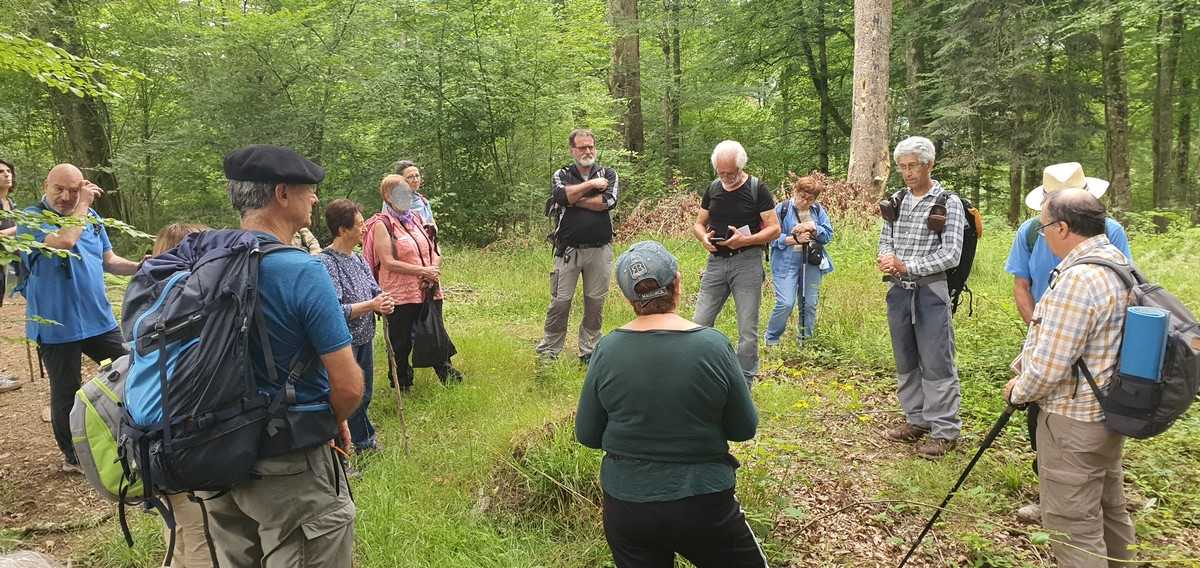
x=400, y=198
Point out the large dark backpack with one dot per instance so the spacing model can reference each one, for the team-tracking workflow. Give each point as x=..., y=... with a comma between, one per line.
x=956, y=277
x=195, y=419
x=1136, y=407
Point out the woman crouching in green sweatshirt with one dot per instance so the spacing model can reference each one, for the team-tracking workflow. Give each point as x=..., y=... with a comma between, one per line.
x=662, y=397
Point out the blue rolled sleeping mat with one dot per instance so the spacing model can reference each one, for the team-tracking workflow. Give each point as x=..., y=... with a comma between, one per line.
x=1145, y=342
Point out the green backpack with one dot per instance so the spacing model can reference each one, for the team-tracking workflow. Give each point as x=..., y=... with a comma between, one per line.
x=95, y=431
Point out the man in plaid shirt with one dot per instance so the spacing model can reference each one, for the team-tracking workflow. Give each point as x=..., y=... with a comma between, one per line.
x=1081, y=316
x=914, y=259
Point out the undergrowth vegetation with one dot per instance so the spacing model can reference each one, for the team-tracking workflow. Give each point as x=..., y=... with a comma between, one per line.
x=494, y=477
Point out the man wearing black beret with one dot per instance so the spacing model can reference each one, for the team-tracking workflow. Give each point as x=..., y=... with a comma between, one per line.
x=298, y=511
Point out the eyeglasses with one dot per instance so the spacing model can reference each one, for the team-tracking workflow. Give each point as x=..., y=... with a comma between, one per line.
x=585, y=148
x=1041, y=230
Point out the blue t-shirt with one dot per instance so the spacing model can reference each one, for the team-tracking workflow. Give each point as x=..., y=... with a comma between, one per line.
x=302, y=312
x=67, y=290
x=1036, y=266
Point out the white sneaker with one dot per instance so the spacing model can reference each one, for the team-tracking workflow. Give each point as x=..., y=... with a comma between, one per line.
x=1031, y=513
x=8, y=385
x=71, y=468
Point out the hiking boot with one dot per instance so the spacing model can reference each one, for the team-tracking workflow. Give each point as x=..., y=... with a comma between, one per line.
x=1030, y=514
x=906, y=433
x=71, y=468
x=935, y=448
x=8, y=385
x=449, y=374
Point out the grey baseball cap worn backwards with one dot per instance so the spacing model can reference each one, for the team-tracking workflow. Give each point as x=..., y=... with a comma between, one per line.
x=643, y=261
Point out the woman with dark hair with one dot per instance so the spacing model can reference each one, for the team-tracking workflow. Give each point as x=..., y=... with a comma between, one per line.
x=8, y=271
x=360, y=296
x=662, y=397
x=407, y=264
x=799, y=259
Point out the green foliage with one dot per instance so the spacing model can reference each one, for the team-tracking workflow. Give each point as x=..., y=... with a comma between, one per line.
x=54, y=67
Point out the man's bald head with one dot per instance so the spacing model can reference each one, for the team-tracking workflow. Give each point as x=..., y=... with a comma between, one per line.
x=62, y=187
x=1080, y=210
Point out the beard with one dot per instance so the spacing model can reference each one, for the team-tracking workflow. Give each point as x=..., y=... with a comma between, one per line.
x=586, y=162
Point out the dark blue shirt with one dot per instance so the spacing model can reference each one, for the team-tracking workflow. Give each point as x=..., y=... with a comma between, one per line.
x=302, y=312
x=68, y=291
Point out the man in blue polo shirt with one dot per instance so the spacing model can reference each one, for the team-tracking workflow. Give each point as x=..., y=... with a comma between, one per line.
x=68, y=313
x=1030, y=260
x=297, y=512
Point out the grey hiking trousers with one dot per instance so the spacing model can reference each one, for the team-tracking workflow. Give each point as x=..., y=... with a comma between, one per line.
x=595, y=265
x=740, y=275
x=923, y=346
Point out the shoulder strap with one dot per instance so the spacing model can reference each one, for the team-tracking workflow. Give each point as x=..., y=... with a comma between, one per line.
x=1030, y=235
x=714, y=188
x=1129, y=275
x=754, y=189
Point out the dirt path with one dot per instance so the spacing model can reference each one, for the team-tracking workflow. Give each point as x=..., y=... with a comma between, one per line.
x=37, y=500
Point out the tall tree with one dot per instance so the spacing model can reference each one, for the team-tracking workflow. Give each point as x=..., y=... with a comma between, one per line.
x=818, y=73
x=1183, y=146
x=869, y=164
x=83, y=118
x=914, y=63
x=672, y=58
x=625, y=82
x=1170, y=32
x=1116, y=106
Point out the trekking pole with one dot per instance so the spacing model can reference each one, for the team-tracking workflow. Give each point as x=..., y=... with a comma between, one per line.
x=391, y=353
x=987, y=443
x=802, y=284
x=29, y=359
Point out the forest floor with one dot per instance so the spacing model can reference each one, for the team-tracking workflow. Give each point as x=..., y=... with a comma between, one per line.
x=493, y=476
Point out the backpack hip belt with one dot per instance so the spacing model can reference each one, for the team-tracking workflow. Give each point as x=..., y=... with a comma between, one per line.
x=914, y=283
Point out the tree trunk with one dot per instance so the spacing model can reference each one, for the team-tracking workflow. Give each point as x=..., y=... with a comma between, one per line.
x=84, y=120
x=671, y=103
x=625, y=83
x=1116, y=108
x=1170, y=25
x=869, y=164
x=914, y=62
x=1183, y=147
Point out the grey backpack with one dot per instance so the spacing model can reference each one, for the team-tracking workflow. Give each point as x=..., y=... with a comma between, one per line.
x=1139, y=408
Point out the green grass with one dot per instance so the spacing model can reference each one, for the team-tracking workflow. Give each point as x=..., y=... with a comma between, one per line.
x=423, y=508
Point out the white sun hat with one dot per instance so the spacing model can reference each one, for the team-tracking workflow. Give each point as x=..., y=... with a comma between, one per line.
x=1064, y=176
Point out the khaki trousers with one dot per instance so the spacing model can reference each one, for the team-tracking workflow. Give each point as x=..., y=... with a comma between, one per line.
x=297, y=514
x=595, y=266
x=191, y=540
x=1079, y=468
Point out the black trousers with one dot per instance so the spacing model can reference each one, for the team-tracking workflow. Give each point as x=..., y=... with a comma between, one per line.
x=709, y=530
x=63, y=363
x=400, y=331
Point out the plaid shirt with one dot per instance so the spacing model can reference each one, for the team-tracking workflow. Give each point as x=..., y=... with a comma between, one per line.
x=922, y=251
x=1081, y=316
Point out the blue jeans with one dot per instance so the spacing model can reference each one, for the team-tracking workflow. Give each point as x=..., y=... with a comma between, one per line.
x=361, y=430
x=786, y=277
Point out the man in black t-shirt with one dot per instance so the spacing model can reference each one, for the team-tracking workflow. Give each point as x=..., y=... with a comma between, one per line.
x=737, y=220
x=581, y=195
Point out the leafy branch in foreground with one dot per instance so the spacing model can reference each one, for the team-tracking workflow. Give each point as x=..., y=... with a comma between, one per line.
x=54, y=67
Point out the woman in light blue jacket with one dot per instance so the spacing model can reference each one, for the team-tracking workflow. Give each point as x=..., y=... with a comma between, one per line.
x=804, y=228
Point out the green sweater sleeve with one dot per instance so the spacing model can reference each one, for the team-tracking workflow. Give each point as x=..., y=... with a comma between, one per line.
x=590, y=416
x=741, y=418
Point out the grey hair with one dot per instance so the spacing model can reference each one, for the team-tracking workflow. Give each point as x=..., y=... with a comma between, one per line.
x=248, y=195
x=727, y=146
x=918, y=146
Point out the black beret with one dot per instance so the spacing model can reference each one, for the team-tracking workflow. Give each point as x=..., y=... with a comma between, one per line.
x=272, y=164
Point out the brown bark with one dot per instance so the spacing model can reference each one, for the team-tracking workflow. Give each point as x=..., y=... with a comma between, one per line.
x=83, y=119
x=914, y=62
x=671, y=96
x=625, y=83
x=1170, y=30
x=1116, y=108
x=869, y=164
x=1183, y=146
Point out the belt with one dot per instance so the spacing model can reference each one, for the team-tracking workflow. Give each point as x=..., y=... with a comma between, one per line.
x=726, y=253
x=585, y=245
x=914, y=283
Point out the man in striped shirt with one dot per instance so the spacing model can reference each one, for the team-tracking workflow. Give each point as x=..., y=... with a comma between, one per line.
x=1079, y=318
x=914, y=258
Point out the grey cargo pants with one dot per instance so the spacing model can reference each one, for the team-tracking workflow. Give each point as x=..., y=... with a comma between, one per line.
x=595, y=265
x=298, y=513
x=923, y=347
x=742, y=276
